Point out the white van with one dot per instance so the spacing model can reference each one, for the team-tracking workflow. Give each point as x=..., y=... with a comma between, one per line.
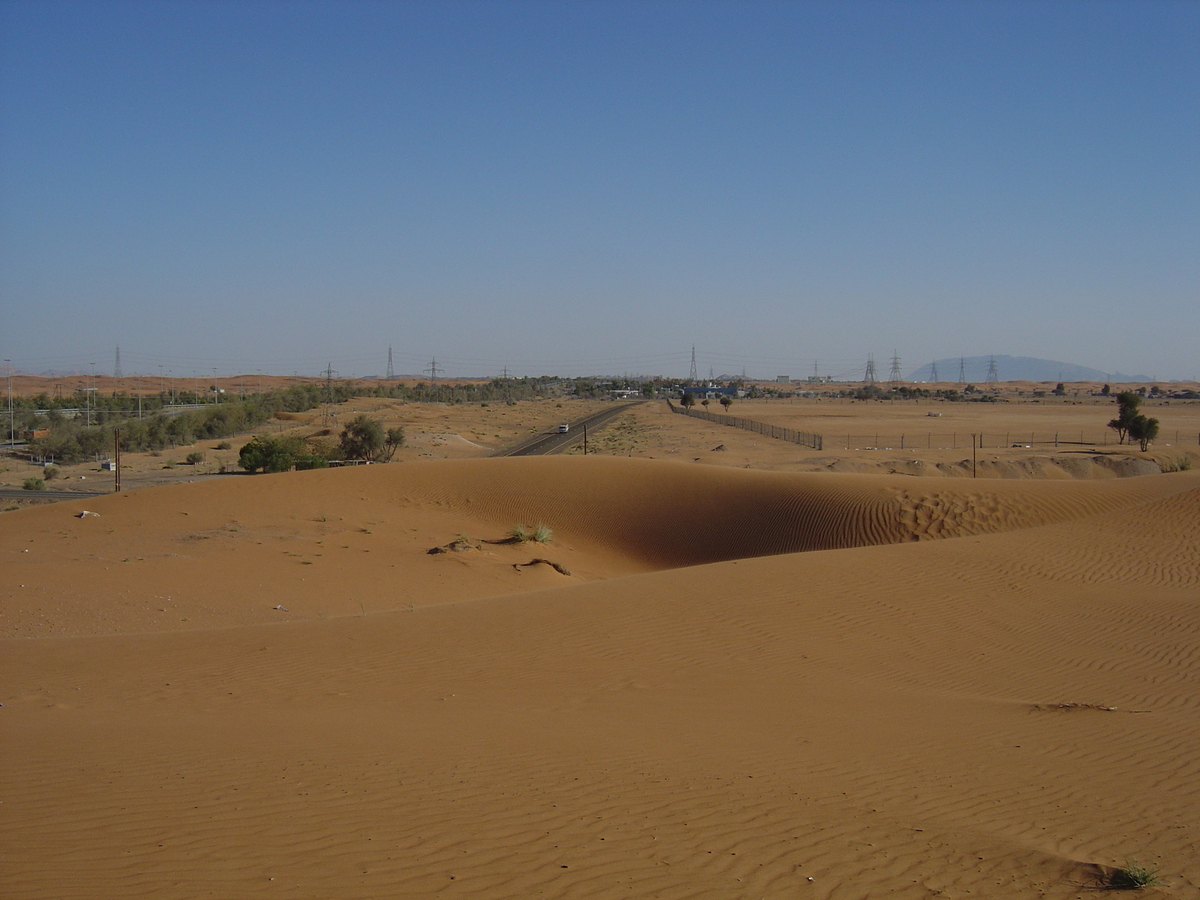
x=564, y=428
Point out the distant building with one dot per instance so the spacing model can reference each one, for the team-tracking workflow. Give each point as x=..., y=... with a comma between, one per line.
x=711, y=392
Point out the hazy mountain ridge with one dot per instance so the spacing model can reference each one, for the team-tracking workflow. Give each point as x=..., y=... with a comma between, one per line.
x=1015, y=368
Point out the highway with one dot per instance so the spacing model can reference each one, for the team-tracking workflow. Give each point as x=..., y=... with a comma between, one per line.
x=556, y=442
x=14, y=494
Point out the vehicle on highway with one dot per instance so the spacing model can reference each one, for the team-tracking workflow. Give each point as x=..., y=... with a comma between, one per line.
x=564, y=428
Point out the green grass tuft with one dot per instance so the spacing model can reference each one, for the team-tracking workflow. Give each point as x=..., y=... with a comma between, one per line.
x=1133, y=876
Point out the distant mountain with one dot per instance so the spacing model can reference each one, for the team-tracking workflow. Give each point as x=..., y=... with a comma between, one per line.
x=1015, y=368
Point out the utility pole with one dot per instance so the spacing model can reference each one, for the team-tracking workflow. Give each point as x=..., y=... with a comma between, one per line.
x=962, y=370
x=992, y=376
x=91, y=393
x=870, y=377
x=12, y=432
x=117, y=454
x=692, y=374
x=214, y=384
x=161, y=386
x=117, y=367
x=391, y=371
x=933, y=376
x=894, y=376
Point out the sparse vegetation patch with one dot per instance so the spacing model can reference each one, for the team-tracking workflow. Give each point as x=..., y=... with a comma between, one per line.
x=1133, y=876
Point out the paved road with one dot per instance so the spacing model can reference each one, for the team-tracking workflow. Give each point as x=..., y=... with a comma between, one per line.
x=8, y=494
x=556, y=442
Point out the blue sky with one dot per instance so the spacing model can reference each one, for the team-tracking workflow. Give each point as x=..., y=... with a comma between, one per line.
x=595, y=187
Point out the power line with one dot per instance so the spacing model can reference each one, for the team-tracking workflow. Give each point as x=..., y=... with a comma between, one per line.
x=871, y=376
x=692, y=374
x=894, y=376
x=391, y=371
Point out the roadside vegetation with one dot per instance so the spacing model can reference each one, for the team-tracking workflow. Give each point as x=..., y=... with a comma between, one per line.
x=148, y=424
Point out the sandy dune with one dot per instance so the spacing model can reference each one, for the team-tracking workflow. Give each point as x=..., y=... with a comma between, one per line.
x=961, y=688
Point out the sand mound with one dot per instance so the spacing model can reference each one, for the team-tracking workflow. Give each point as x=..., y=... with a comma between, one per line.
x=997, y=714
x=340, y=542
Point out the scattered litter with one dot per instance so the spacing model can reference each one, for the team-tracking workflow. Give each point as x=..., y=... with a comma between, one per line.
x=718, y=448
x=281, y=608
x=86, y=512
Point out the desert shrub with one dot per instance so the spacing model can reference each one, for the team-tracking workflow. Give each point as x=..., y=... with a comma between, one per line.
x=195, y=458
x=311, y=461
x=50, y=472
x=224, y=445
x=1132, y=876
x=523, y=534
x=34, y=484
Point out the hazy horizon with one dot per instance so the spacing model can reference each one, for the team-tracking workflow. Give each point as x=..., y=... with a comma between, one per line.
x=595, y=188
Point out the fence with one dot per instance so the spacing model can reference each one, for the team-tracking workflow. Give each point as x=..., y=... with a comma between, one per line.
x=962, y=440
x=804, y=438
x=926, y=440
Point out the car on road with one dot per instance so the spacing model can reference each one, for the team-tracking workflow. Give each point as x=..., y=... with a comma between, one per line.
x=564, y=428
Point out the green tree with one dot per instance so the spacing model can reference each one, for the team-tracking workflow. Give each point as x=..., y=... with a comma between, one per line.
x=363, y=438
x=271, y=454
x=689, y=400
x=392, y=441
x=726, y=401
x=1143, y=431
x=1127, y=410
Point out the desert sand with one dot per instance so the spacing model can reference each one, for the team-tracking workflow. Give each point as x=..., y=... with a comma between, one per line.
x=732, y=684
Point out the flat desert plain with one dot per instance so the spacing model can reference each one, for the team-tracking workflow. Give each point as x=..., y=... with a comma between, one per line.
x=740, y=680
